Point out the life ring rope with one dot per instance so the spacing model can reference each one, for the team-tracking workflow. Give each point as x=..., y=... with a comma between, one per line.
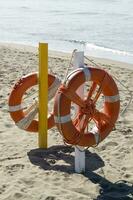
x=53, y=88
x=26, y=121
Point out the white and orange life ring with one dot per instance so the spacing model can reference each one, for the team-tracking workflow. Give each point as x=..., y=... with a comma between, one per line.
x=104, y=119
x=15, y=101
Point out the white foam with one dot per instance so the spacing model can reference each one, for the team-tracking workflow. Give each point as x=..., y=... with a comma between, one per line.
x=103, y=52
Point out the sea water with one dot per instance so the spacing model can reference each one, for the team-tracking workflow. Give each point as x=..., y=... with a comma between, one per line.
x=102, y=28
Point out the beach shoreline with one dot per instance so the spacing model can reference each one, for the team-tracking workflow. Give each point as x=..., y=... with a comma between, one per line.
x=28, y=172
x=53, y=53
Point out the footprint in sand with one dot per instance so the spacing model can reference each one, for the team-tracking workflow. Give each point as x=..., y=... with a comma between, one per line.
x=2, y=189
x=9, y=125
x=11, y=169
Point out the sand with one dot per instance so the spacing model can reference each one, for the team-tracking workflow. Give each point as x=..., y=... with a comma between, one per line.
x=27, y=172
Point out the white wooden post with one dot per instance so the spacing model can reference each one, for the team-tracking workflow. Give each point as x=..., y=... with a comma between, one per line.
x=78, y=62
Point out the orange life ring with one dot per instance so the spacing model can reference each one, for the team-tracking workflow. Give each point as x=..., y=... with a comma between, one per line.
x=15, y=100
x=104, y=119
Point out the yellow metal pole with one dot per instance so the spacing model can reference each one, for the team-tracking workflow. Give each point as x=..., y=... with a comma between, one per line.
x=43, y=94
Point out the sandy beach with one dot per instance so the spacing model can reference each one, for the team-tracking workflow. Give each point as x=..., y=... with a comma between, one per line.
x=27, y=172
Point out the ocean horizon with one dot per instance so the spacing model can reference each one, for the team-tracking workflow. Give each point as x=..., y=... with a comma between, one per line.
x=98, y=27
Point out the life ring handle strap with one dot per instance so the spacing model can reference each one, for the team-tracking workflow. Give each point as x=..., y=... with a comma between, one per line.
x=99, y=117
x=81, y=103
x=71, y=95
x=87, y=118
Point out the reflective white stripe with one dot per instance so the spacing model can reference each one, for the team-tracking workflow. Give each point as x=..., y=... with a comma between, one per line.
x=71, y=75
x=112, y=99
x=96, y=134
x=62, y=120
x=53, y=88
x=15, y=108
x=25, y=122
x=85, y=70
x=86, y=73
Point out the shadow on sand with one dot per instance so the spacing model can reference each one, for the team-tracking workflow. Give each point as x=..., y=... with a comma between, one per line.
x=61, y=158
